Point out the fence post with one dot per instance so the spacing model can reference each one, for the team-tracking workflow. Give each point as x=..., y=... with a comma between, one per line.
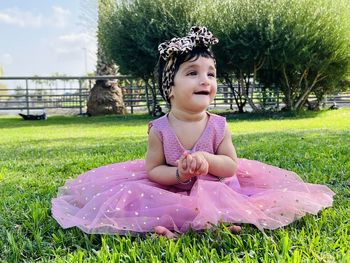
x=27, y=96
x=132, y=98
x=80, y=98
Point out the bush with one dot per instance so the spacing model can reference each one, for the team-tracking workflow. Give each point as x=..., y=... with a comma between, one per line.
x=134, y=29
x=241, y=26
x=310, y=48
x=298, y=46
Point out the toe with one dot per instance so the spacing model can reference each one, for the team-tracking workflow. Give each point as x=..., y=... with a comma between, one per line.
x=235, y=229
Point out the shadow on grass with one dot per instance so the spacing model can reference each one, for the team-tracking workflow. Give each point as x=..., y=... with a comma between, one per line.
x=100, y=121
x=302, y=152
x=268, y=115
x=139, y=119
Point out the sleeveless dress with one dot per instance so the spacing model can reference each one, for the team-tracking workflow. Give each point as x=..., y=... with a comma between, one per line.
x=119, y=198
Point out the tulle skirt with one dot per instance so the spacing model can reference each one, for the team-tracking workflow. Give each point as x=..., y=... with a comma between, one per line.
x=119, y=198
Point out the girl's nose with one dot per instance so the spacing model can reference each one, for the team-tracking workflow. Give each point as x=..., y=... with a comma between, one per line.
x=204, y=81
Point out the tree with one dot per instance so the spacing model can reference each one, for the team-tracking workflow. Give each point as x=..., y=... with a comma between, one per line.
x=106, y=96
x=310, y=48
x=241, y=26
x=131, y=35
x=298, y=47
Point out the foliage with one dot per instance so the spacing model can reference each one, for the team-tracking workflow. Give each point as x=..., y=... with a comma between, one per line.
x=33, y=166
x=296, y=47
x=299, y=47
x=104, y=65
x=241, y=26
x=134, y=30
x=311, y=47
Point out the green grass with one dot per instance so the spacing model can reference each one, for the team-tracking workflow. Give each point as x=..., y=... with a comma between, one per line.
x=39, y=156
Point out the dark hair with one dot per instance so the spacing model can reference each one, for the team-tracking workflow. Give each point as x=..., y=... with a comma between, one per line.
x=193, y=55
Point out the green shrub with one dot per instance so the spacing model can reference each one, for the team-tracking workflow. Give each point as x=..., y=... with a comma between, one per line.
x=133, y=30
x=299, y=46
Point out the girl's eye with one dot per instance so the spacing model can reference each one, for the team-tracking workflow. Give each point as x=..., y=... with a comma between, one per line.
x=192, y=73
x=212, y=75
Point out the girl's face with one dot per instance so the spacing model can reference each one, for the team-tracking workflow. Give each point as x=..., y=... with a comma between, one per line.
x=194, y=85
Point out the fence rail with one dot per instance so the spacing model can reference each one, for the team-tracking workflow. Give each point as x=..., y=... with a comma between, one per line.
x=64, y=92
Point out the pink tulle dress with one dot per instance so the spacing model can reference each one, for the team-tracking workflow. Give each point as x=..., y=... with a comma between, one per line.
x=119, y=198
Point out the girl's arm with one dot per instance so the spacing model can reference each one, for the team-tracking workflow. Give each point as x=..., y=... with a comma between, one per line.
x=224, y=162
x=156, y=166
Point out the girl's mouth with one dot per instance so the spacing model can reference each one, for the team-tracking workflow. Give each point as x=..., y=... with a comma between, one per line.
x=203, y=92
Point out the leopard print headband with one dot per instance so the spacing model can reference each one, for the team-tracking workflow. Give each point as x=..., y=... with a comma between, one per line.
x=169, y=50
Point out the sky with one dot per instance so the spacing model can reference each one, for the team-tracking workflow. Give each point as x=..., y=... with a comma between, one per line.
x=46, y=37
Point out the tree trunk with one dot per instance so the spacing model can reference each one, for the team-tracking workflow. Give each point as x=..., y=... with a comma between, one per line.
x=242, y=98
x=147, y=95
x=154, y=95
x=287, y=91
x=235, y=93
x=249, y=96
x=303, y=98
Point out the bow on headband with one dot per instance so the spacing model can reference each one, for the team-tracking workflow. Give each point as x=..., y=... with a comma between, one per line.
x=198, y=36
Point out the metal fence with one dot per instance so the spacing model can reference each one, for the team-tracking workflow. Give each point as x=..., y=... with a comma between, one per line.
x=71, y=93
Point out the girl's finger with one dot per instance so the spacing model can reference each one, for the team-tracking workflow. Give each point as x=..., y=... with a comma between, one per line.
x=184, y=163
x=200, y=161
x=193, y=165
x=204, y=168
x=189, y=161
x=199, y=164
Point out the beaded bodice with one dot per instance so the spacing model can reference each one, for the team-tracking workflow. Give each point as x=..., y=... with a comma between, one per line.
x=209, y=140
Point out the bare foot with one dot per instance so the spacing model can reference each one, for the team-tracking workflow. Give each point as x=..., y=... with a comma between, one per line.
x=163, y=231
x=235, y=229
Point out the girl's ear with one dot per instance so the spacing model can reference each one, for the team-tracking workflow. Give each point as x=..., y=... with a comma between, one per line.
x=171, y=94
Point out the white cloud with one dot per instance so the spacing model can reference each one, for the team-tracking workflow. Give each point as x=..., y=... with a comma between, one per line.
x=6, y=59
x=59, y=18
x=75, y=46
x=16, y=17
x=70, y=43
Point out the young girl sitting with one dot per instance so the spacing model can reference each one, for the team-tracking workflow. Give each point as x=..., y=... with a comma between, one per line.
x=191, y=177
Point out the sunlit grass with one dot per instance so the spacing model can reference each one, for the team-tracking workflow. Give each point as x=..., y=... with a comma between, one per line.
x=39, y=156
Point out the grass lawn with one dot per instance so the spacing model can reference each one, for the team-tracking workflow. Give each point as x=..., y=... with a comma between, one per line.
x=39, y=156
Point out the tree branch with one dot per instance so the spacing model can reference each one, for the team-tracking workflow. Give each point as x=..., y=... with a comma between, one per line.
x=318, y=78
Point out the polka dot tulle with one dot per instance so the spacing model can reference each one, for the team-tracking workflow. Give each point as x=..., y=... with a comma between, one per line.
x=119, y=198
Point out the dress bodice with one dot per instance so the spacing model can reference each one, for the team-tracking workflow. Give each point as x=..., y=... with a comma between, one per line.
x=209, y=140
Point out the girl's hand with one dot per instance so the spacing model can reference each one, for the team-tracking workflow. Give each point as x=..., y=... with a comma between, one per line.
x=193, y=164
x=184, y=167
x=199, y=164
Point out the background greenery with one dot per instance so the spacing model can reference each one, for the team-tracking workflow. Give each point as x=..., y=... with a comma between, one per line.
x=38, y=157
x=296, y=47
